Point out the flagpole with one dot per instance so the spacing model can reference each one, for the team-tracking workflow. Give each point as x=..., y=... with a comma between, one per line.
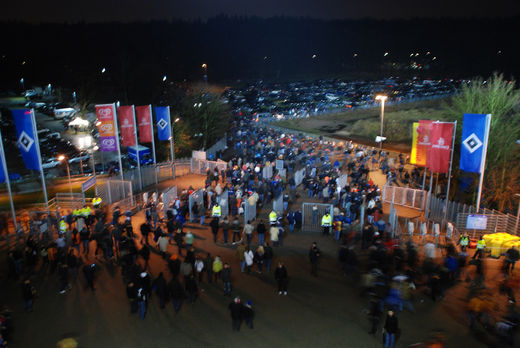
x=7, y=181
x=153, y=143
x=449, y=172
x=118, y=147
x=483, y=162
x=137, y=150
x=37, y=143
x=172, y=152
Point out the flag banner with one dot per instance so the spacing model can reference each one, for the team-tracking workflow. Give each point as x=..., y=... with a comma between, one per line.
x=125, y=116
x=415, y=136
x=423, y=142
x=107, y=144
x=106, y=127
x=2, y=171
x=162, y=120
x=26, y=139
x=440, y=149
x=144, y=122
x=473, y=139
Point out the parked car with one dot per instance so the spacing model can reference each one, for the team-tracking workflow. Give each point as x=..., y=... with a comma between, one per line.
x=64, y=112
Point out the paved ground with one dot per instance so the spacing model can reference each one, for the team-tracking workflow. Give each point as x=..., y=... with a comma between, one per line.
x=318, y=312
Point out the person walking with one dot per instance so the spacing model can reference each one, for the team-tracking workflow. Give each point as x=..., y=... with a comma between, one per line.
x=241, y=249
x=248, y=232
x=260, y=229
x=225, y=229
x=280, y=274
x=89, y=270
x=274, y=233
x=248, y=314
x=235, y=309
x=248, y=258
x=391, y=329
x=141, y=301
x=214, y=224
x=259, y=258
x=481, y=244
x=192, y=288
x=208, y=266
x=161, y=289
x=226, y=279
x=162, y=244
x=268, y=256
x=28, y=292
x=236, y=230
x=131, y=293
x=176, y=292
x=314, y=255
x=217, y=267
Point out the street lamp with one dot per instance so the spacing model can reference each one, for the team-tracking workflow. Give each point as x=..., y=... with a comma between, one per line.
x=103, y=70
x=22, y=81
x=164, y=78
x=518, y=212
x=61, y=158
x=382, y=99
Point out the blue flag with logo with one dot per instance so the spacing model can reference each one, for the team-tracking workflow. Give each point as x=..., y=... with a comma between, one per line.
x=162, y=121
x=26, y=139
x=473, y=142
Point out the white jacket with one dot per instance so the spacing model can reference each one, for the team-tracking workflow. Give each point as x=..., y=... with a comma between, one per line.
x=248, y=255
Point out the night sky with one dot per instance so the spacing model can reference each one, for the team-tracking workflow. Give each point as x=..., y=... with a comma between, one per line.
x=143, y=10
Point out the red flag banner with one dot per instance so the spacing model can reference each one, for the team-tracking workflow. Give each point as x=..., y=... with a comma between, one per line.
x=144, y=122
x=440, y=150
x=423, y=142
x=125, y=117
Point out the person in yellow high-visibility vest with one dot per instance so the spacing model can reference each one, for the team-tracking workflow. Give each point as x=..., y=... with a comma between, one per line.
x=63, y=226
x=481, y=244
x=96, y=201
x=326, y=222
x=273, y=217
x=464, y=242
x=216, y=212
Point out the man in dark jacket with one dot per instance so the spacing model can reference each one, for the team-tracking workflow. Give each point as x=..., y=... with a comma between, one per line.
x=226, y=279
x=214, y=228
x=161, y=289
x=260, y=229
x=280, y=274
x=314, y=255
x=235, y=308
x=391, y=329
x=176, y=291
x=248, y=314
x=131, y=293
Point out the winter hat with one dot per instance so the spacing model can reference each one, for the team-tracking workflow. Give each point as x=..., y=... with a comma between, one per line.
x=249, y=303
x=144, y=274
x=237, y=299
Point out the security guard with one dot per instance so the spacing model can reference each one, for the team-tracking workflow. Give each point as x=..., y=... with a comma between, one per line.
x=63, y=226
x=96, y=201
x=273, y=217
x=464, y=242
x=481, y=244
x=216, y=212
x=326, y=222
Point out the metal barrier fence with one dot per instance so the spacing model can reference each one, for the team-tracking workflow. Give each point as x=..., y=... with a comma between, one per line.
x=267, y=172
x=182, y=167
x=201, y=166
x=168, y=197
x=299, y=175
x=342, y=180
x=111, y=190
x=195, y=198
x=70, y=201
x=406, y=197
x=311, y=218
x=220, y=145
x=249, y=211
x=278, y=204
x=223, y=200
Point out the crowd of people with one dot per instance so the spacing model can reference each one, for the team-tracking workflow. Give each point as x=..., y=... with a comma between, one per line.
x=392, y=272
